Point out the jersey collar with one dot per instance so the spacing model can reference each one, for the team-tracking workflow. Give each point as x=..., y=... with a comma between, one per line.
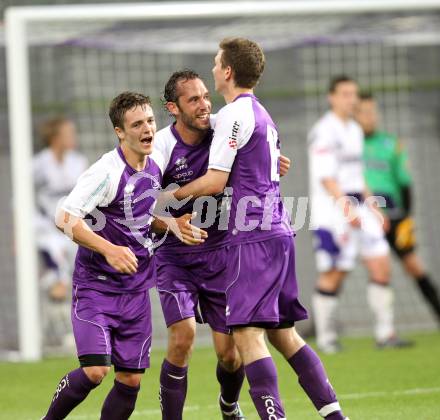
x=245, y=95
x=180, y=140
x=130, y=168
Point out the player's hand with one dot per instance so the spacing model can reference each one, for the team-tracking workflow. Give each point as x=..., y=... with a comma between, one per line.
x=383, y=218
x=188, y=233
x=355, y=222
x=350, y=211
x=122, y=259
x=58, y=291
x=386, y=224
x=284, y=165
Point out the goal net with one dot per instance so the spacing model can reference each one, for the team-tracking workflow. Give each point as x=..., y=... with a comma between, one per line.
x=77, y=64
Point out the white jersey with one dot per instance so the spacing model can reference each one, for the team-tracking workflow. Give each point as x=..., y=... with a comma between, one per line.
x=335, y=151
x=54, y=179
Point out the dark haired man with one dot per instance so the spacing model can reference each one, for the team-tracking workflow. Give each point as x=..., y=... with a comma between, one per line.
x=196, y=276
x=108, y=214
x=262, y=292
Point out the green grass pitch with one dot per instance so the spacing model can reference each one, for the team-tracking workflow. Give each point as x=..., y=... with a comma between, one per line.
x=371, y=385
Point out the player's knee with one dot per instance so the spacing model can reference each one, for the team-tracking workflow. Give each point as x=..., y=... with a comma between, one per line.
x=129, y=379
x=248, y=340
x=229, y=358
x=331, y=281
x=381, y=275
x=96, y=373
x=181, y=340
x=380, y=270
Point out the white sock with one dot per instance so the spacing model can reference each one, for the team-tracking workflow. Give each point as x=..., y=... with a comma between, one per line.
x=324, y=310
x=381, y=301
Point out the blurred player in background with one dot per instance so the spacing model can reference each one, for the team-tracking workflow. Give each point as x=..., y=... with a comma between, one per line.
x=387, y=175
x=262, y=292
x=56, y=169
x=188, y=277
x=342, y=229
x=111, y=313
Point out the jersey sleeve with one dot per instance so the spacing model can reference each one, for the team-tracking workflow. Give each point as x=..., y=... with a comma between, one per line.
x=164, y=143
x=322, y=153
x=93, y=189
x=400, y=166
x=230, y=134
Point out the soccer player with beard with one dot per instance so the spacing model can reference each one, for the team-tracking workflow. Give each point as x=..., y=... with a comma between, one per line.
x=111, y=313
x=262, y=292
x=387, y=175
x=188, y=277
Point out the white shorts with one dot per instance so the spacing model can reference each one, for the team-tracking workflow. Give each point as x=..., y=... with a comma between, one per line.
x=338, y=247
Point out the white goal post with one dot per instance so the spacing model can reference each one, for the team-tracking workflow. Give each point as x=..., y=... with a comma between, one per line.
x=17, y=20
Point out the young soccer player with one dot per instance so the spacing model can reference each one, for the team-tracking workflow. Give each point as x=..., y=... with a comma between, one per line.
x=261, y=294
x=109, y=213
x=387, y=175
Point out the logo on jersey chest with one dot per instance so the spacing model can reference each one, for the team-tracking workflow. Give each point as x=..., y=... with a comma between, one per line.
x=233, y=138
x=183, y=173
x=181, y=164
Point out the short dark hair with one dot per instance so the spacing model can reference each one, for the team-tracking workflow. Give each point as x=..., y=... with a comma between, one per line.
x=246, y=59
x=123, y=103
x=171, y=93
x=51, y=127
x=366, y=96
x=335, y=81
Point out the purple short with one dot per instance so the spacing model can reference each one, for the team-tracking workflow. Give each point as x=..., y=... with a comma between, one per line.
x=262, y=288
x=113, y=324
x=188, y=280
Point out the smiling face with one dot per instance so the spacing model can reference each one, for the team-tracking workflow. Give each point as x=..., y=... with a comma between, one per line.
x=139, y=128
x=193, y=105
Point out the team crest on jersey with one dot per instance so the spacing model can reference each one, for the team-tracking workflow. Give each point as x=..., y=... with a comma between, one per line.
x=155, y=183
x=181, y=163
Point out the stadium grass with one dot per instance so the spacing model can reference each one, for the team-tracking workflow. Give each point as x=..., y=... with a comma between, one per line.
x=371, y=384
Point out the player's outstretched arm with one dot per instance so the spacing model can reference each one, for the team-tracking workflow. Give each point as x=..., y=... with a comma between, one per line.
x=121, y=258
